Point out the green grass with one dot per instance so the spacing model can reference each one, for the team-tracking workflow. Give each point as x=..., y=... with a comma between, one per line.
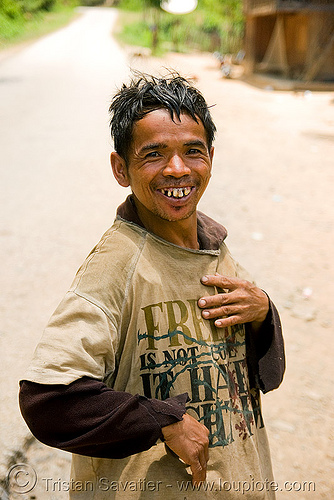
x=200, y=30
x=31, y=26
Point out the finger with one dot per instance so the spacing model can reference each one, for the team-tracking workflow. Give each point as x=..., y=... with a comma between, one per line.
x=218, y=299
x=230, y=321
x=202, y=459
x=220, y=281
x=206, y=447
x=221, y=312
x=198, y=472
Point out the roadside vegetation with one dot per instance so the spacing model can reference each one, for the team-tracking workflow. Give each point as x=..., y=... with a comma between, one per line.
x=21, y=20
x=215, y=26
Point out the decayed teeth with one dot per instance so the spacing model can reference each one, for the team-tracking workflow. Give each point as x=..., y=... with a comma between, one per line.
x=176, y=192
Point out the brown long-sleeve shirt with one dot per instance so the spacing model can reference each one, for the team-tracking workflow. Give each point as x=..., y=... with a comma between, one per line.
x=89, y=418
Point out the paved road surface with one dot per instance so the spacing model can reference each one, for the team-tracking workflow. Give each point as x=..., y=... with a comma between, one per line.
x=272, y=187
x=57, y=193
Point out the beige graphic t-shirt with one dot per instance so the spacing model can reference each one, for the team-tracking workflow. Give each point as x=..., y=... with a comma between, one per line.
x=131, y=320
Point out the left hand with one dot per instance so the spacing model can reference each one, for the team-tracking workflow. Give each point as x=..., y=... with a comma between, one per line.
x=242, y=302
x=188, y=438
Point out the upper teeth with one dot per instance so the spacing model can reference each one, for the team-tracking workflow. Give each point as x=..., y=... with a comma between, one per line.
x=176, y=192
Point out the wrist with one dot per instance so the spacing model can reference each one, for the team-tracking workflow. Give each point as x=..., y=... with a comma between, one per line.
x=263, y=310
x=169, y=430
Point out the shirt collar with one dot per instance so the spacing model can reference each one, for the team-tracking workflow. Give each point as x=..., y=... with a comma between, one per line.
x=210, y=233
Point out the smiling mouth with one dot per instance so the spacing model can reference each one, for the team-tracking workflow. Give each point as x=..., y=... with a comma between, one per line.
x=176, y=192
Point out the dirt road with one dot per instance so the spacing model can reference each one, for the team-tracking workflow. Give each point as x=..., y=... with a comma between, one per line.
x=272, y=188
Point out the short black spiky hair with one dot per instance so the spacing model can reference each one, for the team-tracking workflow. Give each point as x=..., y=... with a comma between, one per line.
x=146, y=93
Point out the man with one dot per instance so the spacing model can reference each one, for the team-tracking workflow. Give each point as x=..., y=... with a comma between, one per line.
x=150, y=369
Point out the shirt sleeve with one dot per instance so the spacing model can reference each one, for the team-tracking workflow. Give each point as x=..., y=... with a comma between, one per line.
x=80, y=340
x=265, y=352
x=64, y=399
x=88, y=418
x=265, y=348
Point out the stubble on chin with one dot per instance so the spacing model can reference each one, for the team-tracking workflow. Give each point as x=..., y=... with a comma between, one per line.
x=164, y=216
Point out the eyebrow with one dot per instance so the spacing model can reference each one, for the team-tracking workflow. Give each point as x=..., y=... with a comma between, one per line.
x=196, y=142
x=162, y=145
x=153, y=145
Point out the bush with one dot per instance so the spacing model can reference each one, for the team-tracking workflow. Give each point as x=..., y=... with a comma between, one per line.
x=12, y=10
x=214, y=26
x=10, y=27
x=36, y=5
x=91, y=3
x=133, y=5
x=23, y=19
x=16, y=8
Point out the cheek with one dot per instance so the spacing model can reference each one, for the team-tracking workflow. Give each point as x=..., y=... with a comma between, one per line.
x=147, y=178
x=141, y=185
x=205, y=172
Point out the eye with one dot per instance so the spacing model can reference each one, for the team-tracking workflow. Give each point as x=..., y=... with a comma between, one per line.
x=194, y=151
x=152, y=154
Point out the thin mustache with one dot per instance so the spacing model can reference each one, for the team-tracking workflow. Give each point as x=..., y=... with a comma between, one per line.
x=177, y=183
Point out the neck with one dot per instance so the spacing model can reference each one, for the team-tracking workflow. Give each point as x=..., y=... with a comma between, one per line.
x=182, y=233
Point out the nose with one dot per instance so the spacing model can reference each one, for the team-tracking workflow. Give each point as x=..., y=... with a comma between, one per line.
x=176, y=167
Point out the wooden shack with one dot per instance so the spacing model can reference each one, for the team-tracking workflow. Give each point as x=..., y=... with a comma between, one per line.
x=290, y=38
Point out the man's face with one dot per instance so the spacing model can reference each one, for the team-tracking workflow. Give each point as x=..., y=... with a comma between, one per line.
x=169, y=165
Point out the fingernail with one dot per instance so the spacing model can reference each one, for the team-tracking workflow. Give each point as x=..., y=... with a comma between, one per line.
x=202, y=302
x=205, y=314
x=204, y=279
x=218, y=323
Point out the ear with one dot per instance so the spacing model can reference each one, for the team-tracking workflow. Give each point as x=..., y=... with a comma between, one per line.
x=212, y=150
x=119, y=169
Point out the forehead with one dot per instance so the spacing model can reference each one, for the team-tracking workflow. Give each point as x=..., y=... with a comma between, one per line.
x=158, y=126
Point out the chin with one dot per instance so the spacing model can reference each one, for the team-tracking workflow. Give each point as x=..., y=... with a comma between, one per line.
x=175, y=217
